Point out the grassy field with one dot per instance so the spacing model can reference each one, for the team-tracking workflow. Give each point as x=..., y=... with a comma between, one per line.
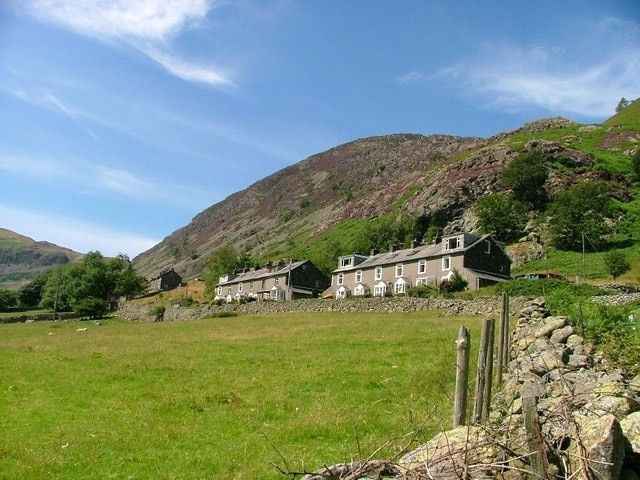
x=221, y=398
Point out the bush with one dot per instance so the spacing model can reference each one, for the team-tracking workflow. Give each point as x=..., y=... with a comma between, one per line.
x=157, y=312
x=91, y=307
x=456, y=284
x=422, y=291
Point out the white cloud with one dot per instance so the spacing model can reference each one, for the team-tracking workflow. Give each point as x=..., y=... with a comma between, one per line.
x=143, y=19
x=90, y=179
x=586, y=78
x=147, y=25
x=190, y=72
x=78, y=235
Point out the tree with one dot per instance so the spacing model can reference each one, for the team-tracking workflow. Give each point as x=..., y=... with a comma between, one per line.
x=622, y=104
x=91, y=307
x=93, y=277
x=635, y=164
x=31, y=294
x=616, y=263
x=224, y=260
x=8, y=299
x=525, y=176
x=501, y=215
x=580, y=209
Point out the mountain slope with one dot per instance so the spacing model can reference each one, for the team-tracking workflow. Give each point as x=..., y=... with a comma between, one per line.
x=437, y=177
x=22, y=258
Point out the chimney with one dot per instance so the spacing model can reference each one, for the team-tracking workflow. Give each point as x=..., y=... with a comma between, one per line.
x=392, y=248
x=414, y=242
x=374, y=251
x=269, y=267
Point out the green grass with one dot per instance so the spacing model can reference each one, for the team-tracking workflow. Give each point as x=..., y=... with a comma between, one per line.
x=212, y=398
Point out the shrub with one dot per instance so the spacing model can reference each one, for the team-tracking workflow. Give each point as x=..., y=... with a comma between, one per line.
x=91, y=307
x=455, y=284
x=157, y=312
x=616, y=263
x=422, y=291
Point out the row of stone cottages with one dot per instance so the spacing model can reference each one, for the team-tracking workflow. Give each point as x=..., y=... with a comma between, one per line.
x=481, y=260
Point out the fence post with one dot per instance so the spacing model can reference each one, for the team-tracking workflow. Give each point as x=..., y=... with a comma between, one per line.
x=503, y=339
x=483, y=384
x=535, y=443
x=505, y=320
x=488, y=374
x=463, y=346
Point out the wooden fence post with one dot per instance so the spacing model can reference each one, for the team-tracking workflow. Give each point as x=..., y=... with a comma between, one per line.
x=505, y=319
x=463, y=346
x=535, y=443
x=488, y=374
x=503, y=340
x=483, y=375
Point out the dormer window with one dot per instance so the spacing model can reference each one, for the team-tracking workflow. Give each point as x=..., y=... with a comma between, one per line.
x=346, y=262
x=452, y=243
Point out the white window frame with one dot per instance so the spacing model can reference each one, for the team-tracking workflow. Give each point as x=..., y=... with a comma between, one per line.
x=487, y=249
x=340, y=279
x=446, y=263
x=452, y=243
x=378, y=273
x=358, y=276
x=401, y=286
x=240, y=287
x=380, y=290
x=426, y=281
x=399, y=270
x=422, y=266
x=346, y=262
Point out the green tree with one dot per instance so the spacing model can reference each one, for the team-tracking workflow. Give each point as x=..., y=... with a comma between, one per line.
x=635, y=165
x=616, y=263
x=91, y=307
x=31, y=294
x=92, y=277
x=222, y=261
x=622, y=104
x=8, y=299
x=581, y=209
x=501, y=215
x=525, y=176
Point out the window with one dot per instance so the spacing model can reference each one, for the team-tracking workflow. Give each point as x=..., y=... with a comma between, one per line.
x=346, y=262
x=340, y=278
x=251, y=286
x=446, y=262
x=401, y=286
x=399, y=270
x=422, y=266
x=240, y=287
x=426, y=281
x=219, y=291
x=358, y=276
x=451, y=243
x=378, y=274
x=487, y=246
x=276, y=281
x=380, y=290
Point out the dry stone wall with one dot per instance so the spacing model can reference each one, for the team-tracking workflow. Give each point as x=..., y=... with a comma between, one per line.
x=477, y=306
x=587, y=417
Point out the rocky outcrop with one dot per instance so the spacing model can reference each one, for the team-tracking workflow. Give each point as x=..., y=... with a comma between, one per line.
x=587, y=416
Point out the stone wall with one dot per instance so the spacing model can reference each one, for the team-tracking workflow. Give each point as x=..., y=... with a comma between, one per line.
x=587, y=418
x=489, y=306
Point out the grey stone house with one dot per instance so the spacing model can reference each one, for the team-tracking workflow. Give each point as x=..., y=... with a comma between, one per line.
x=279, y=282
x=481, y=260
x=166, y=280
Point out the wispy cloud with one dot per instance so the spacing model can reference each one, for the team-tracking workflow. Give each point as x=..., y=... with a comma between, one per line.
x=89, y=179
x=147, y=25
x=587, y=80
x=72, y=233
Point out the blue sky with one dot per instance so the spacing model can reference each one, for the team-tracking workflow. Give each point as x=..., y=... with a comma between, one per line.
x=121, y=120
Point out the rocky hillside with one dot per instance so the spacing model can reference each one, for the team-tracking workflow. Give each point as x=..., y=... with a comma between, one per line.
x=22, y=258
x=439, y=177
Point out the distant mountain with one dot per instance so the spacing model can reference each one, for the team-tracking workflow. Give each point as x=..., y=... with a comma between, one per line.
x=22, y=258
x=437, y=177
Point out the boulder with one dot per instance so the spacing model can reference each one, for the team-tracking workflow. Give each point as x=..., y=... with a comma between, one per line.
x=603, y=447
